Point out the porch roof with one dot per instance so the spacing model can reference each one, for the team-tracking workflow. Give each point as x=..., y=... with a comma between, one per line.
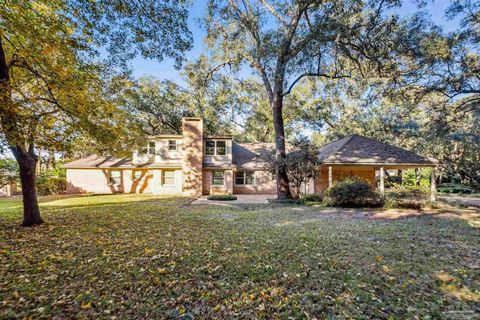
x=360, y=150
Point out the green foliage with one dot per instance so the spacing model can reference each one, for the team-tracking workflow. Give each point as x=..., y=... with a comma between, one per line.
x=311, y=198
x=410, y=197
x=48, y=185
x=157, y=107
x=352, y=192
x=422, y=180
x=284, y=201
x=54, y=88
x=8, y=172
x=301, y=163
x=58, y=170
x=53, y=181
x=454, y=188
x=156, y=29
x=222, y=197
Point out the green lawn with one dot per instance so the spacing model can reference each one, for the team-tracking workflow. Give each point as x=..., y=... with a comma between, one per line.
x=133, y=256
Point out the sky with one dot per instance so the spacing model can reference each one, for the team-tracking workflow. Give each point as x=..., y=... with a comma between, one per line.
x=165, y=71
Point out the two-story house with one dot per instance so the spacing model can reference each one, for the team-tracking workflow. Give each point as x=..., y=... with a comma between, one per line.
x=188, y=164
x=194, y=164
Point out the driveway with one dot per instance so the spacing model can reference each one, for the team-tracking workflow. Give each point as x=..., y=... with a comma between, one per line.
x=241, y=199
x=465, y=200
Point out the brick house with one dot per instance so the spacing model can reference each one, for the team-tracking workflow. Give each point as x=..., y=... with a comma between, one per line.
x=194, y=164
x=188, y=164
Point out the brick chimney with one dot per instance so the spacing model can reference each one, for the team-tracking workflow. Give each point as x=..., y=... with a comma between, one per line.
x=192, y=145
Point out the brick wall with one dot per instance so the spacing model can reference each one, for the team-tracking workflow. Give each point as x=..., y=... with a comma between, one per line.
x=321, y=181
x=209, y=188
x=192, y=143
x=97, y=181
x=264, y=184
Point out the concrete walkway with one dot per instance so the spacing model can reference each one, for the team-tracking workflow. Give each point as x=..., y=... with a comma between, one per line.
x=241, y=199
x=466, y=200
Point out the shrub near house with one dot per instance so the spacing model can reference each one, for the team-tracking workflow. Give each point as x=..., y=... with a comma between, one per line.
x=47, y=185
x=408, y=197
x=352, y=192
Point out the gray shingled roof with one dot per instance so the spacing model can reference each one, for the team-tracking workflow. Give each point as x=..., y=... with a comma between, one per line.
x=96, y=161
x=251, y=155
x=245, y=155
x=356, y=149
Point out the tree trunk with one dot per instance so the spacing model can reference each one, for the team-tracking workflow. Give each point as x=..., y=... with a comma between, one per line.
x=26, y=160
x=283, y=188
x=27, y=164
x=400, y=177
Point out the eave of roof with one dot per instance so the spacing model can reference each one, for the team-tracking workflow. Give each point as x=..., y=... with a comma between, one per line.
x=224, y=136
x=359, y=150
x=165, y=136
x=381, y=164
x=219, y=166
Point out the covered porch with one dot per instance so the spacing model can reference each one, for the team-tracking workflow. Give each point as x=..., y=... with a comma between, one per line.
x=376, y=175
x=370, y=160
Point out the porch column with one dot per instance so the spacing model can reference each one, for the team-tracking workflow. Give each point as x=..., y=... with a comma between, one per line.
x=433, y=186
x=330, y=176
x=382, y=180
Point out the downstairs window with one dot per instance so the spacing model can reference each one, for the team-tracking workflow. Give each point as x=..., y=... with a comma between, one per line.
x=115, y=177
x=244, y=178
x=168, y=177
x=218, y=178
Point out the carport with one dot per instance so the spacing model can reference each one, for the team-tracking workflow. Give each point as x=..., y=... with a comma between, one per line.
x=367, y=158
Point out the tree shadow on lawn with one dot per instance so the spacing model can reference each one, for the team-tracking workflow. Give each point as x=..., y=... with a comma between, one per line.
x=12, y=208
x=469, y=215
x=360, y=267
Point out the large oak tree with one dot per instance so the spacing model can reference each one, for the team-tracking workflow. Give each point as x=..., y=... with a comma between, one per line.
x=287, y=41
x=52, y=78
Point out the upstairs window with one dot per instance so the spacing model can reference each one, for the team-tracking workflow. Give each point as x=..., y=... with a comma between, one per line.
x=215, y=148
x=244, y=178
x=115, y=177
x=210, y=148
x=148, y=149
x=172, y=145
x=218, y=178
x=221, y=148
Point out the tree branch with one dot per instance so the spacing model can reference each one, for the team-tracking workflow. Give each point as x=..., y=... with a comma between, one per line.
x=274, y=12
x=215, y=69
x=315, y=74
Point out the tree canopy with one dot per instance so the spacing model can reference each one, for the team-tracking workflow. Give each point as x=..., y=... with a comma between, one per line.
x=52, y=84
x=285, y=42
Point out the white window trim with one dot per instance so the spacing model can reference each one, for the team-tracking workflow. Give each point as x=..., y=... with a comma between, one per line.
x=213, y=179
x=148, y=148
x=215, y=153
x=176, y=145
x=110, y=183
x=162, y=179
x=245, y=179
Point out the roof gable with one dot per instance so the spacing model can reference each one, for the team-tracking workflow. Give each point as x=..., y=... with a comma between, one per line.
x=356, y=149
